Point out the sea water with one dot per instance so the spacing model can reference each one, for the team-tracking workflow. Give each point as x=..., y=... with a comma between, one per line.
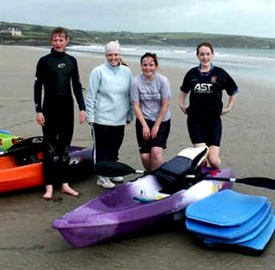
x=256, y=64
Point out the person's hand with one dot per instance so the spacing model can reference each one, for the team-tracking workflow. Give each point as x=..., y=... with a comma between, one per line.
x=146, y=132
x=154, y=131
x=225, y=111
x=82, y=117
x=183, y=108
x=40, y=119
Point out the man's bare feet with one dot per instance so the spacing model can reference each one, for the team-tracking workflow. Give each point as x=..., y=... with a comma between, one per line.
x=68, y=190
x=48, y=195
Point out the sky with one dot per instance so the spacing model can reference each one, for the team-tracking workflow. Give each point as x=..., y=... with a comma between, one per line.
x=237, y=17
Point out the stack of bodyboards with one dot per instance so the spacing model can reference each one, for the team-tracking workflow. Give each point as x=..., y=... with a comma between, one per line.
x=232, y=221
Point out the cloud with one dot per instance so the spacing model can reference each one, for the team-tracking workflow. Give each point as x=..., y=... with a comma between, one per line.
x=254, y=17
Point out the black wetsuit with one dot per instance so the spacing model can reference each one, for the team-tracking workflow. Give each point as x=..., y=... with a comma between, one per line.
x=56, y=72
x=205, y=106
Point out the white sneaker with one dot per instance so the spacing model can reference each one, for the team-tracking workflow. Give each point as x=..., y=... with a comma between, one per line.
x=117, y=179
x=105, y=182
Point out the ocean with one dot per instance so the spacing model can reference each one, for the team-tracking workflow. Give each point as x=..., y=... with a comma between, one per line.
x=257, y=64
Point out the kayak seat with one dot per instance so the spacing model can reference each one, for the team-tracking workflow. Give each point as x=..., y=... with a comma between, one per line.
x=186, y=162
x=28, y=151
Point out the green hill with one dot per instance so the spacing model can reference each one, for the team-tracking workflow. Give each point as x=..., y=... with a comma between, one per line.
x=38, y=35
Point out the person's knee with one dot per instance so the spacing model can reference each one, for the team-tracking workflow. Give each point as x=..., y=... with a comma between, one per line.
x=214, y=161
x=146, y=161
x=156, y=153
x=214, y=157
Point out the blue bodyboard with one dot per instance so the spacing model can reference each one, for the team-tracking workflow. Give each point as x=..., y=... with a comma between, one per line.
x=255, y=246
x=226, y=208
x=233, y=233
x=232, y=221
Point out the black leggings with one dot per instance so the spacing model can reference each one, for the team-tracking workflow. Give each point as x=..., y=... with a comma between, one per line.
x=108, y=140
x=58, y=133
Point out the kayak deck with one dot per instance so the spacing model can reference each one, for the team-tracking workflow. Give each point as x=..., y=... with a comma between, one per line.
x=125, y=209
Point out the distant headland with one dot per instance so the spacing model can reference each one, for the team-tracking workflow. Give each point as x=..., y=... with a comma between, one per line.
x=38, y=35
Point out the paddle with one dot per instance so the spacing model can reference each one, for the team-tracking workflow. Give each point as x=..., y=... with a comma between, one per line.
x=263, y=182
x=27, y=146
x=113, y=168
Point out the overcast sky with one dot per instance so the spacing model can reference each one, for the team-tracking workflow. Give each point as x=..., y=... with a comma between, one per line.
x=241, y=17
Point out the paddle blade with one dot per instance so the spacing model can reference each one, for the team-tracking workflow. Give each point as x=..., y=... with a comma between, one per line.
x=113, y=169
x=262, y=182
x=258, y=182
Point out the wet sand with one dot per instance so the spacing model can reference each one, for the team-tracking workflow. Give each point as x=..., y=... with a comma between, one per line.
x=27, y=238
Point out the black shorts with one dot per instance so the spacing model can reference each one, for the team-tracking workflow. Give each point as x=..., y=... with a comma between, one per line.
x=145, y=146
x=205, y=129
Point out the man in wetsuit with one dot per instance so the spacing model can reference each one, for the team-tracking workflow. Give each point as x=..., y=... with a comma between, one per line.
x=55, y=73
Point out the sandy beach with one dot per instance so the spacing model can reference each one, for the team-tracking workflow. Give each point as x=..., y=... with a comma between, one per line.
x=27, y=238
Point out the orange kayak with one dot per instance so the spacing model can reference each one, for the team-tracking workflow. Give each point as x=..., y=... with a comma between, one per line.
x=15, y=177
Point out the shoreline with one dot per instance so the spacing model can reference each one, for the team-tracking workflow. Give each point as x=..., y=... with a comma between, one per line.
x=256, y=69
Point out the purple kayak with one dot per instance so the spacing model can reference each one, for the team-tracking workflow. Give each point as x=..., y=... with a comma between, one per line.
x=132, y=207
